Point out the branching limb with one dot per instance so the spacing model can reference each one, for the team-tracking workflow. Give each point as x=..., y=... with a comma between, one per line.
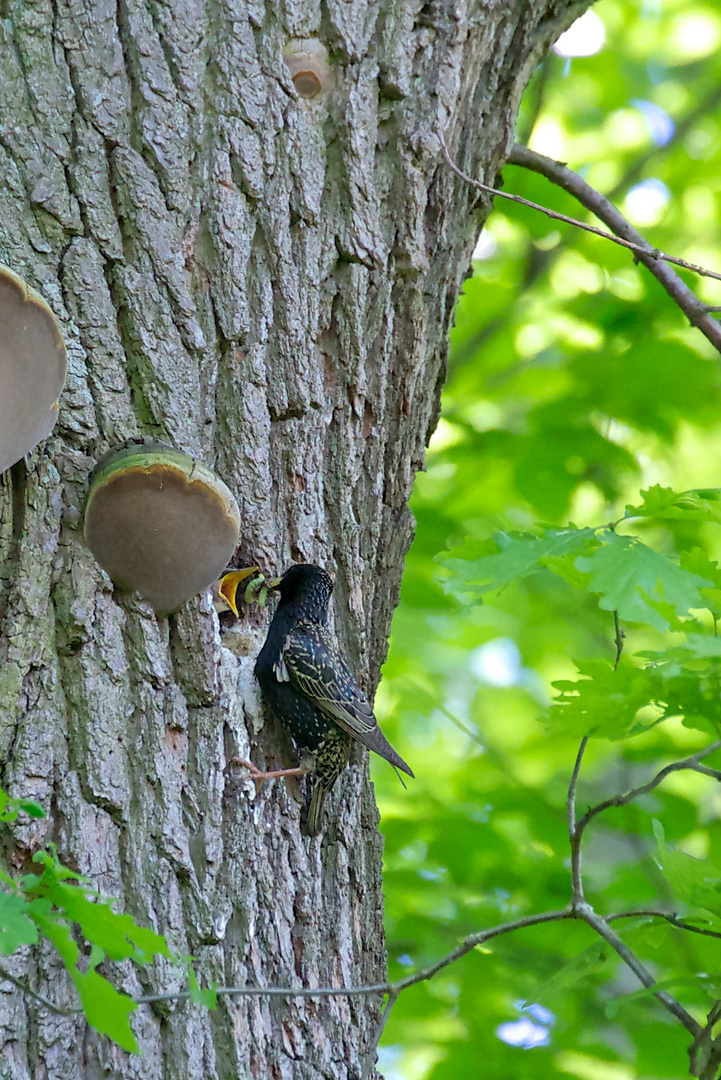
x=693, y=763
x=704, y=1055
x=541, y=262
x=580, y=910
x=655, y=261
x=696, y=311
x=600, y=925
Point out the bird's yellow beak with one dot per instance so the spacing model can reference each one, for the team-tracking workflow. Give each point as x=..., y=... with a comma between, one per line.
x=273, y=583
x=229, y=584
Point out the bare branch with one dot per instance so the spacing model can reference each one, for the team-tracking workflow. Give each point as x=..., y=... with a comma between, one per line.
x=580, y=910
x=272, y=991
x=555, y=171
x=670, y=917
x=540, y=262
x=693, y=763
x=693, y=308
x=585, y=911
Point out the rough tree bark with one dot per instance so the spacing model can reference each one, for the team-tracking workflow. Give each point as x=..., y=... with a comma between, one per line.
x=268, y=283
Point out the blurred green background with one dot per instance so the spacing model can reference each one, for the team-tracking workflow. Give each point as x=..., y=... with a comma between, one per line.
x=574, y=382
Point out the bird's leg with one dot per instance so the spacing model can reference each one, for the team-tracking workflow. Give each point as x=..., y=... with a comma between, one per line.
x=307, y=764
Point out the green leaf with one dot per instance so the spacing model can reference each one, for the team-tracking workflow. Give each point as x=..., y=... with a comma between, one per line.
x=697, y=561
x=693, y=647
x=16, y=928
x=105, y=1008
x=605, y=703
x=117, y=935
x=694, y=881
x=516, y=556
x=700, y=504
x=637, y=582
x=592, y=961
x=10, y=808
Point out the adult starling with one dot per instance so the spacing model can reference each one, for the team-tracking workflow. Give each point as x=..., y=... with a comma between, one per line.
x=310, y=688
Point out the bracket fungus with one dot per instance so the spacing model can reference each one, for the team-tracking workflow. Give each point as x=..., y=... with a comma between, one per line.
x=307, y=61
x=159, y=523
x=33, y=365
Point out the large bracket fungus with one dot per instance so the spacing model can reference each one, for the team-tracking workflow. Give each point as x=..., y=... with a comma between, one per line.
x=160, y=523
x=33, y=365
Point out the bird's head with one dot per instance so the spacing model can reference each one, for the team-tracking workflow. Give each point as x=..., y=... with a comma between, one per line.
x=304, y=583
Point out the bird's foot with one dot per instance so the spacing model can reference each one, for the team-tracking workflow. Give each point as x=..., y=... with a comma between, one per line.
x=307, y=764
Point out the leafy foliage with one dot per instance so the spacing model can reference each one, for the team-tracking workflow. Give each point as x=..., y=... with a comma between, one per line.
x=57, y=904
x=574, y=474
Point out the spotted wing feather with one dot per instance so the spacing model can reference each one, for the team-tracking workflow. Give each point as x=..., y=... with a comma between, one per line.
x=314, y=664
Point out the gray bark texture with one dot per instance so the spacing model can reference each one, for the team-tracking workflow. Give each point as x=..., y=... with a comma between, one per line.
x=267, y=282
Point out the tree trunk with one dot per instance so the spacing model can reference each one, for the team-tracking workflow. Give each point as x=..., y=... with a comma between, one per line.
x=267, y=282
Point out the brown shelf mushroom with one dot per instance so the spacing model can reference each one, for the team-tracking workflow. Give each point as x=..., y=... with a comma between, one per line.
x=33, y=365
x=159, y=523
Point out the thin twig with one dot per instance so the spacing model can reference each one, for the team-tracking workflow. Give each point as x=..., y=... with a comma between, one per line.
x=273, y=991
x=521, y=155
x=618, y=640
x=625, y=234
x=651, y=257
x=370, y=1060
x=693, y=763
x=478, y=938
x=670, y=917
x=574, y=836
x=392, y=989
x=704, y=1044
x=49, y=1005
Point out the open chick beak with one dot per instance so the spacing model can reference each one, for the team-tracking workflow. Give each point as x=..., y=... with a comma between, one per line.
x=230, y=583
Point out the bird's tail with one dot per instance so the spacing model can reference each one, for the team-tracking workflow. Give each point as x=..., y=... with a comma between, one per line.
x=376, y=740
x=314, y=819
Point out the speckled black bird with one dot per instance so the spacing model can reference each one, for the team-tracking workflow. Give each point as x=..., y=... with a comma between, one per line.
x=310, y=688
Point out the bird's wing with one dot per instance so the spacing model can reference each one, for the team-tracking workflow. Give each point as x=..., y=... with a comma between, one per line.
x=311, y=659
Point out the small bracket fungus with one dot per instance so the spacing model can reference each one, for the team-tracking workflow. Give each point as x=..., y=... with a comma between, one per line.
x=307, y=61
x=33, y=364
x=159, y=522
